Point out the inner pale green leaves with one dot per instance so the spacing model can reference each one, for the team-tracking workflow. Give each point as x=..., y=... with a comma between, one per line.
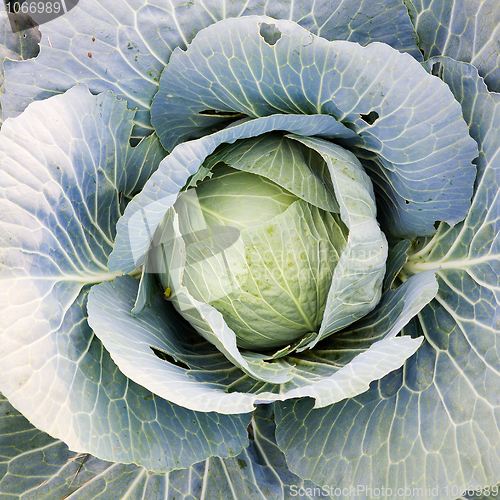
x=274, y=281
x=272, y=284
x=288, y=163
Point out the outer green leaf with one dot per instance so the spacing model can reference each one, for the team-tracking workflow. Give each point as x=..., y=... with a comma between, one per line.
x=124, y=47
x=146, y=211
x=423, y=155
x=16, y=46
x=196, y=375
x=61, y=178
x=130, y=340
x=34, y=466
x=434, y=422
x=404, y=211
x=465, y=30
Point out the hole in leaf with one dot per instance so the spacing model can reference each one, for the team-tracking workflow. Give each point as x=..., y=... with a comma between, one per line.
x=222, y=114
x=170, y=359
x=437, y=70
x=407, y=202
x=422, y=52
x=370, y=118
x=270, y=33
x=251, y=433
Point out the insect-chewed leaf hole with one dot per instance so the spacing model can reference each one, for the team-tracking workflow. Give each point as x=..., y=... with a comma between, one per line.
x=437, y=69
x=270, y=33
x=170, y=359
x=222, y=114
x=370, y=118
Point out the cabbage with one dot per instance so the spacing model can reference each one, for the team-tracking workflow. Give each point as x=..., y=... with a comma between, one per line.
x=250, y=250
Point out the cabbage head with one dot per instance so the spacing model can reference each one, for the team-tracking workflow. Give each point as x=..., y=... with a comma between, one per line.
x=264, y=254
x=250, y=250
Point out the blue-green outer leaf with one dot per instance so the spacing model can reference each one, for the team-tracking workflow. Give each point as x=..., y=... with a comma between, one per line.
x=465, y=30
x=65, y=162
x=196, y=375
x=34, y=466
x=16, y=46
x=395, y=261
x=433, y=423
x=136, y=229
x=419, y=139
x=124, y=47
